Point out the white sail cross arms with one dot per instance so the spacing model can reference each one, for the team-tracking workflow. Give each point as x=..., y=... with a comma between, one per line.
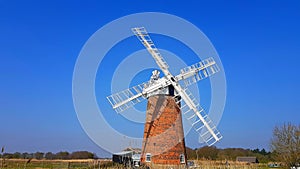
x=198, y=71
x=144, y=37
x=200, y=121
x=127, y=98
x=191, y=109
x=191, y=74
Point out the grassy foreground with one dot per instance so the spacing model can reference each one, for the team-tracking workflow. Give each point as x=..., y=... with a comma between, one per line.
x=55, y=164
x=107, y=164
x=230, y=165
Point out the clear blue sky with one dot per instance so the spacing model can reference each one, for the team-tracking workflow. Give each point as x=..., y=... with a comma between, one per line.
x=257, y=41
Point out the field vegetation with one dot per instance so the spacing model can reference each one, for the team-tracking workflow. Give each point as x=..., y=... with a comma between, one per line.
x=107, y=164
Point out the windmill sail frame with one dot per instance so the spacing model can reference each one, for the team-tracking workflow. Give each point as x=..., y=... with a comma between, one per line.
x=191, y=108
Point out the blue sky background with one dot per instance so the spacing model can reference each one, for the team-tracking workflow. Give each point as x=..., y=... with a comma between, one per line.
x=258, y=43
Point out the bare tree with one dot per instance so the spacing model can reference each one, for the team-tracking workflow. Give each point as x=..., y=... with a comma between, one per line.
x=286, y=144
x=2, y=157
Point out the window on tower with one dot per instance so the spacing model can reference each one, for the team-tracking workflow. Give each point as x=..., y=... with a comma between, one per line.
x=148, y=157
x=182, y=158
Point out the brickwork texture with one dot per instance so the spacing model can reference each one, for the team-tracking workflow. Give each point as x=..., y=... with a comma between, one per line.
x=163, y=132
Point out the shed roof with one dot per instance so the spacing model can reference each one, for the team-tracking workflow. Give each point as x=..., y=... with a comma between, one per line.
x=123, y=153
x=247, y=159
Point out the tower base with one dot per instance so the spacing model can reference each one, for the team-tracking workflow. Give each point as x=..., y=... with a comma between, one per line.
x=163, y=142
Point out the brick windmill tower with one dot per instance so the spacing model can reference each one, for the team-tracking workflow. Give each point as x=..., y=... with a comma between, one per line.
x=163, y=142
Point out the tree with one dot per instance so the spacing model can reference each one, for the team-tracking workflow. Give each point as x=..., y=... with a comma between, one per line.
x=208, y=152
x=8, y=155
x=263, y=152
x=39, y=155
x=286, y=144
x=2, y=157
x=82, y=155
x=62, y=155
x=191, y=154
x=17, y=155
x=25, y=155
x=49, y=156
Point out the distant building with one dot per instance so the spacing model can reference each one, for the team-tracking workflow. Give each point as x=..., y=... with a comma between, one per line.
x=247, y=159
x=122, y=157
x=128, y=158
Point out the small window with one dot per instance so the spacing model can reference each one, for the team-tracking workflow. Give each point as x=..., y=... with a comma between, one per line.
x=148, y=157
x=182, y=158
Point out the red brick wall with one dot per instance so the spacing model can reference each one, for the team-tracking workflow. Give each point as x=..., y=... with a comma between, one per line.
x=163, y=132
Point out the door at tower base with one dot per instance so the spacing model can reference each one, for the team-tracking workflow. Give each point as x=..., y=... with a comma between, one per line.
x=163, y=142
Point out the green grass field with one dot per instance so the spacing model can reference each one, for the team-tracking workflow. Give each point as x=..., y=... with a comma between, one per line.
x=96, y=164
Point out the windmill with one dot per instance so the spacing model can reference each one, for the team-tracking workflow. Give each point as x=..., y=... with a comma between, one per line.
x=168, y=99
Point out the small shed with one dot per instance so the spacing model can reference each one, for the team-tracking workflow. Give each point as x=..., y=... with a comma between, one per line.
x=122, y=157
x=247, y=159
x=128, y=158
